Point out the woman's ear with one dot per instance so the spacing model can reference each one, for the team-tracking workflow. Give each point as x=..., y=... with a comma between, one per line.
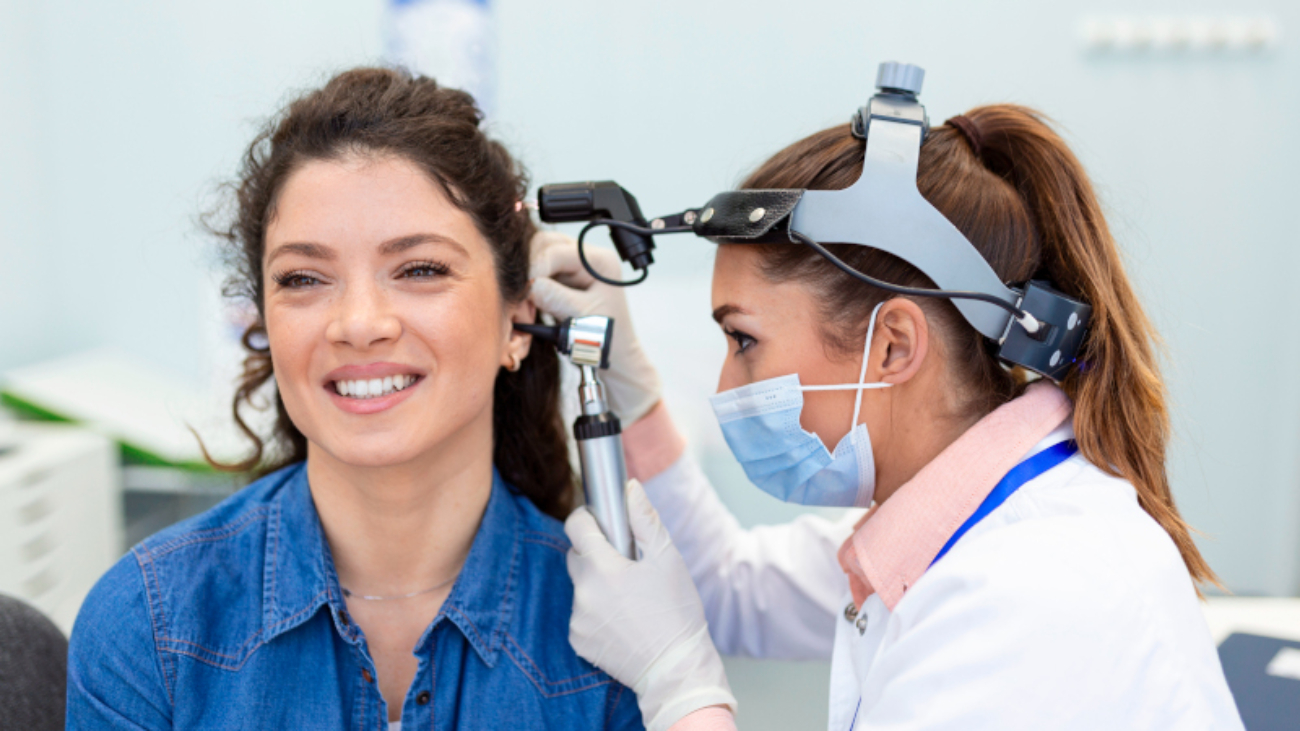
x=901, y=341
x=518, y=343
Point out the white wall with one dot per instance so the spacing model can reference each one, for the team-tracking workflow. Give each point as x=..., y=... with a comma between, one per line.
x=117, y=120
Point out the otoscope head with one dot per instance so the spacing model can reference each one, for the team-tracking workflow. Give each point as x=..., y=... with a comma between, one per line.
x=605, y=199
x=586, y=340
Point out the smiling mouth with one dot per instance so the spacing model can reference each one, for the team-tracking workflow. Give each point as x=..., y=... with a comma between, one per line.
x=374, y=387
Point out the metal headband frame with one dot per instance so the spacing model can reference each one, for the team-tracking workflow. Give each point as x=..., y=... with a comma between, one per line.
x=884, y=210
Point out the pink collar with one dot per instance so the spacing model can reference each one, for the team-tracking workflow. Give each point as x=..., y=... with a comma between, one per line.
x=895, y=542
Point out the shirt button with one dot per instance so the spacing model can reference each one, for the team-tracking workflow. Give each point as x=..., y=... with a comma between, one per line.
x=343, y=618
x=365, y=673
x=861, y=624
x=422, y=698
x=850, y=612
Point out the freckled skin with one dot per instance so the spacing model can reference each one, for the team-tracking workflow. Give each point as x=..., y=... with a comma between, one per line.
x=909, y=423
x=454, y=326
x=399, y=492
x=784, y=320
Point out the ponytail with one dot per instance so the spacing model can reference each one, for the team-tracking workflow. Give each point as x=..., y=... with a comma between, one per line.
x=1121, y=419
x=1012, y=187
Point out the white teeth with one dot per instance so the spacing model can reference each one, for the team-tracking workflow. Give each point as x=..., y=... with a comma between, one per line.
x=373, y=387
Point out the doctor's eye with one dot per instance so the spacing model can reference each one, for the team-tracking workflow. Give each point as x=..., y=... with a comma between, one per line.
x=743, y=340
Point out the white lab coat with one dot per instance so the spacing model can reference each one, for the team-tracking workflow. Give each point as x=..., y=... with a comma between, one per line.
x=1067, y=607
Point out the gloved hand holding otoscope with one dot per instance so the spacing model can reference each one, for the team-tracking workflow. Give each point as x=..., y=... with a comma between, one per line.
x=575, y=285
x=586, y=340
x=586, y=316
x=587, y=313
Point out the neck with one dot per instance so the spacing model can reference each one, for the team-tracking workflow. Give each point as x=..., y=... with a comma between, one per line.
x=402, y=528
x=923, y=420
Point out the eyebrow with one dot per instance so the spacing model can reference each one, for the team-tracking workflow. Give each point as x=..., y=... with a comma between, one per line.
x=727, y=309
x=402, y=243
x=311, y=251
x=389, y=247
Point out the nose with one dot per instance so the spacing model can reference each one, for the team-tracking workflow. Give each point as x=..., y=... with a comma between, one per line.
x=363, y=317
x=732, y=376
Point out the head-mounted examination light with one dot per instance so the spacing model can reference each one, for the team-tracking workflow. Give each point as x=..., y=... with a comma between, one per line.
x=1031, y=324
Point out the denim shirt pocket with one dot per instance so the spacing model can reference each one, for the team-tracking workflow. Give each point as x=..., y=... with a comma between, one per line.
x=537, y=641
x=571, y=675
x=195, y=614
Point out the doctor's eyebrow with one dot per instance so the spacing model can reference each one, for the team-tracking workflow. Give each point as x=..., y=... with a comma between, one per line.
x=727, y=309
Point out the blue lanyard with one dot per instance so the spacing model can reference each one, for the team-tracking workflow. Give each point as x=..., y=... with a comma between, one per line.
x=1014, y=480
x=1018, y=476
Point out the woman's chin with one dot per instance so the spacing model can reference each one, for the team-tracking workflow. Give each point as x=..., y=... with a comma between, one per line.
x=372, y=453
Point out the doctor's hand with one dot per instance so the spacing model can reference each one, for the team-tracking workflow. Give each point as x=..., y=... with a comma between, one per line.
x=642, y=621
x=562, y=287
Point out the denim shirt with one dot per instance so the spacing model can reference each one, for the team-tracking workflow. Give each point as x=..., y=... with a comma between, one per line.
x=234, y=619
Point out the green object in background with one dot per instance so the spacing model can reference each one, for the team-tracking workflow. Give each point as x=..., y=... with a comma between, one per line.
x=28, y=410
x=152, y=415
x=131, y=454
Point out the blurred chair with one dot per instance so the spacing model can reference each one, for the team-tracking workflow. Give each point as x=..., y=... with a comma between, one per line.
x=33, y=668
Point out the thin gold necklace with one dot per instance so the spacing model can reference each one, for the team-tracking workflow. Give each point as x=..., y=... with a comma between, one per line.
x=347, y=593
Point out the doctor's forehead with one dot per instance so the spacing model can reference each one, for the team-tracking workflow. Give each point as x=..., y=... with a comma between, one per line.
x=740, y=288
x=737, y=279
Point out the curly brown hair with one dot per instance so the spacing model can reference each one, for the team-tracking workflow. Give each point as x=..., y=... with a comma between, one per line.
x=390, y=111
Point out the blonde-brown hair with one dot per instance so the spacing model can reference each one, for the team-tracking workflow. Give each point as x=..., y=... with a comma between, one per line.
x=1027, y=205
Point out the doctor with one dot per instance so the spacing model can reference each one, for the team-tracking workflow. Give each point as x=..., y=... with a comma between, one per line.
x=1022, y=563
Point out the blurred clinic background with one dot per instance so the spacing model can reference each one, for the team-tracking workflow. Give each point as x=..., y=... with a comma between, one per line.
x=119, y=121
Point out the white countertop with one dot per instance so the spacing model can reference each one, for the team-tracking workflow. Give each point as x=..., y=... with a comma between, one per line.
x=1258, y=616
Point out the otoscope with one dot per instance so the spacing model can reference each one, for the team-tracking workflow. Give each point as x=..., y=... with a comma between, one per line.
x=586, y=341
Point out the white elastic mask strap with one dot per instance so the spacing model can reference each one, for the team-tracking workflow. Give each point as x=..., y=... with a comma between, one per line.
x=862, y=375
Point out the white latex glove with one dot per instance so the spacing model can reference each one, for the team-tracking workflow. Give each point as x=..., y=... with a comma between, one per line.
x=564, y=288
x=642, y=621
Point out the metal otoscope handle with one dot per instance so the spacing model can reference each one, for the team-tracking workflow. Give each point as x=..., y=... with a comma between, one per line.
x=597, y=430
x=604, y=471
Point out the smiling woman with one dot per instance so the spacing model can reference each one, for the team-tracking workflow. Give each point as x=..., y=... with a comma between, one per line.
x=399, y=563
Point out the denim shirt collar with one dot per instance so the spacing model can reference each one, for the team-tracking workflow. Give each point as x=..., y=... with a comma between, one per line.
x=299, y=577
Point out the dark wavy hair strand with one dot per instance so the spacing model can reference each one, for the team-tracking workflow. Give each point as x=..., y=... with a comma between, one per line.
x=392, y=112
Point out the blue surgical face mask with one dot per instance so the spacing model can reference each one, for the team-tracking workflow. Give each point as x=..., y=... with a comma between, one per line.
x=761, y=425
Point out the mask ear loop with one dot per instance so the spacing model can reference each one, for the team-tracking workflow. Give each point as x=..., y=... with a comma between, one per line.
x=862, y=375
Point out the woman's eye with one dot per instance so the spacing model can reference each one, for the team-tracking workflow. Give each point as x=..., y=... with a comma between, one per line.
x=743, y=340
x=296, y=280
x=423, y=270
